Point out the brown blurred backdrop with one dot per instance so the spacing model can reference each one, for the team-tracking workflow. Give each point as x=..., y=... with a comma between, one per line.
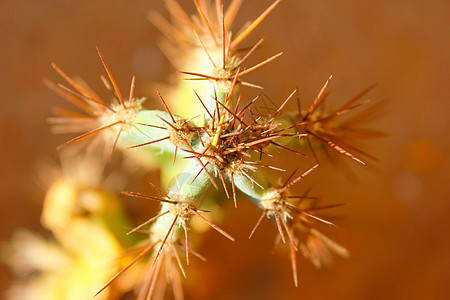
x=397, y=219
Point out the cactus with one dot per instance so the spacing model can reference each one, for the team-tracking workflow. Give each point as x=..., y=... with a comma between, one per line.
x=209, y=136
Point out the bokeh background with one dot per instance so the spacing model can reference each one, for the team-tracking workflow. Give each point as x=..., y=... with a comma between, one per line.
x=396, y=222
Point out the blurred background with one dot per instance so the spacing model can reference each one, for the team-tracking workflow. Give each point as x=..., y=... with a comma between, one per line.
x=396, y=221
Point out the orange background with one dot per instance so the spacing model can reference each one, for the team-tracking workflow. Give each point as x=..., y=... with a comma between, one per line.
x=396, y=223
